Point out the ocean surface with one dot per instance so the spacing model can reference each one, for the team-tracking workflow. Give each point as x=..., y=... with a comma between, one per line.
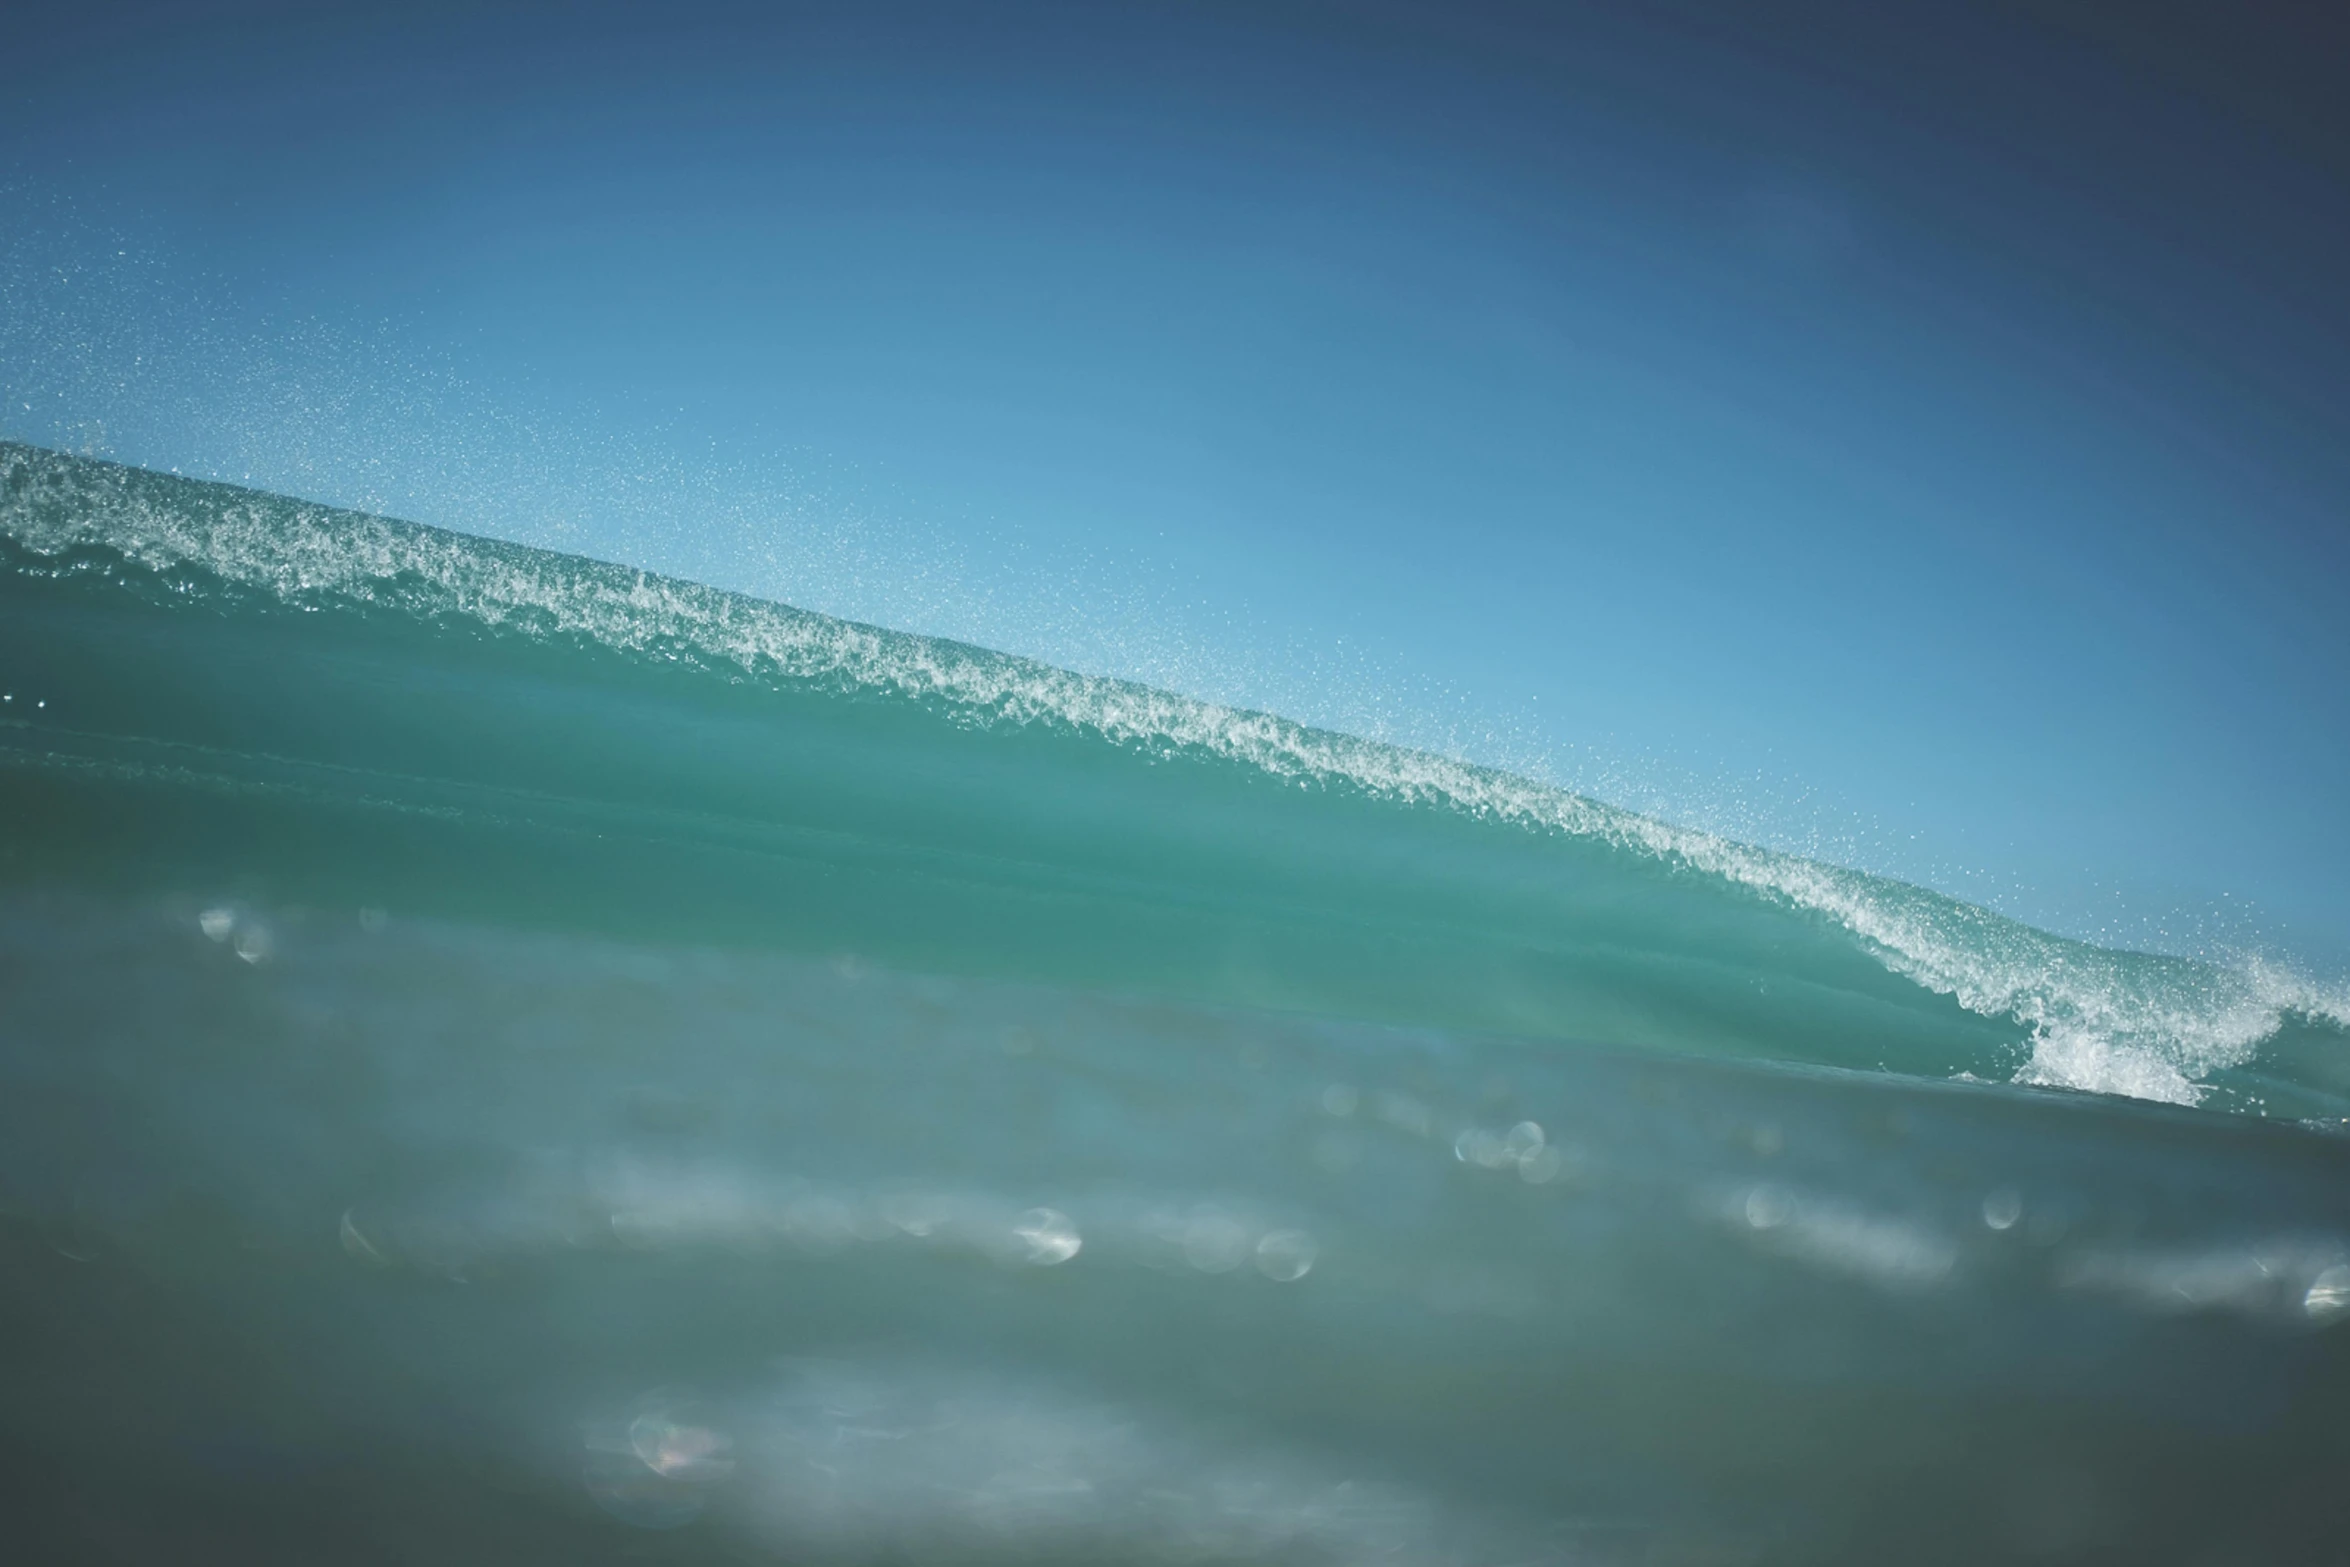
x=505, y=1057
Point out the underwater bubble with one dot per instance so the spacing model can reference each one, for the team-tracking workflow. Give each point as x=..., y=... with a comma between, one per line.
x=217, y=923
x=1541, y=1167
x=1480, y=1147
x=2329, y=1294
x=653, y=1470
x=919, y=1214
x=2288, y=1276
x=71, y=1235
x=357, y=1246
x=1285, y=1256
x=1404, y=1113
x=1215, y=1242
x=621, y=1485
x=2002, y=1208
x=1835, y=1235
x=253, y=944
x=1049, y=1235
x=678, y=1451
x=1522, y=1141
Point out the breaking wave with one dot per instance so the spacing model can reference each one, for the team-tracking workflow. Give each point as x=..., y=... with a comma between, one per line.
x=1723, y=947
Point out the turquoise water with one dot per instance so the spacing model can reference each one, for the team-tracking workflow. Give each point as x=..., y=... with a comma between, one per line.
x=532, y=1058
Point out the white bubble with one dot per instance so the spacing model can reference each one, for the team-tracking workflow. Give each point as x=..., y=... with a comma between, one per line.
x=1767, y=1207
x=2329, y=1294
x=358, y=1246
x=1285, y=1256
x=217, y=923
x=1522, y=1141
x=1404, y=1113
x=253, y=944
x=1541, y=1166
x=1049, y=1235
x=1215, y=1242
x=918, y=1214
x=1479, y=1147
x=677, y=1451
x=2002, y=1208
x=623, y=1486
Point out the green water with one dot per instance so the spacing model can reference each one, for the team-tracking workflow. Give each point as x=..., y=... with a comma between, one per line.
x=505, y=1057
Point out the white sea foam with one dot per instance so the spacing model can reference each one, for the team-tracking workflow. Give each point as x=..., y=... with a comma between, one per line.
x=2098, y=1020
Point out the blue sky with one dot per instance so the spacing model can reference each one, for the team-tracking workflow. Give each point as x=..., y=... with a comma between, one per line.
x=1925, y=439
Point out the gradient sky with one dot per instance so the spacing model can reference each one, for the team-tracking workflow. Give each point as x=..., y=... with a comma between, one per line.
x=1918, y=434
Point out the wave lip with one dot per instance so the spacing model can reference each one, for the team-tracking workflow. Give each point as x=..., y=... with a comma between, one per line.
x=2143, y=1025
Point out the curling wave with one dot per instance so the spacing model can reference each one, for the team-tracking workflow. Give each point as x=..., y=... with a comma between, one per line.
x=204, y=678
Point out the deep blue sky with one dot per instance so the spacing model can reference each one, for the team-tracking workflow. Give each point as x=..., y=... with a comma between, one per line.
x=1922, y=433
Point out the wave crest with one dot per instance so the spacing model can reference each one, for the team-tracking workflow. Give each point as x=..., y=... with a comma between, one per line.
x=2144, y=1025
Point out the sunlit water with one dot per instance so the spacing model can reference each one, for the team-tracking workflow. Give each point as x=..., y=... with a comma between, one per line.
x=507, y=1059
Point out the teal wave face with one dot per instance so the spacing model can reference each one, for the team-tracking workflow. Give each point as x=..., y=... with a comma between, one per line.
x=218, y=692
x=513, y=1050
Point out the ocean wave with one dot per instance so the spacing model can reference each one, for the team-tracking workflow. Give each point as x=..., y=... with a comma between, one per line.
x=2145, y=1025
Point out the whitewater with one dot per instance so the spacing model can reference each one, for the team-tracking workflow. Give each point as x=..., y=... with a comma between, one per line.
x=506, y=1055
